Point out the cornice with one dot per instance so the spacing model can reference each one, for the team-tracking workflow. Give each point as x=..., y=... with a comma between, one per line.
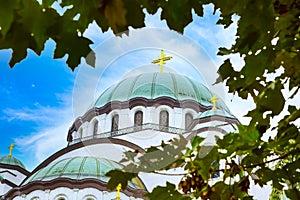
x=69, y=183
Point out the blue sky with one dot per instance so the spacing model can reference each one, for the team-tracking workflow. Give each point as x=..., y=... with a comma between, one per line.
x=29, y=92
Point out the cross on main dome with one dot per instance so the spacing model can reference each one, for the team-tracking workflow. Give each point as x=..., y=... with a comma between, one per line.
x=161, y=60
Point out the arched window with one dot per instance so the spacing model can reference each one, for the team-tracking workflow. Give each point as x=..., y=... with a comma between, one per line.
x=95, y=127
x=163, y=119
x=138, y=118
x=115, y=123
x=188, y=120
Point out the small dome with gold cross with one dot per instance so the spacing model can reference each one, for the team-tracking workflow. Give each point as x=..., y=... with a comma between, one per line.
x=11, y=161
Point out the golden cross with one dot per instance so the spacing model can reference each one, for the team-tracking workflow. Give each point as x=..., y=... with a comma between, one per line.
x=161, y=60
x=119, y=187
x=214, y=100
x=10, y=149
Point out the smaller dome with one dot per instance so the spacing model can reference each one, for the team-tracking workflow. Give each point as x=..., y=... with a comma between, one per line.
x=78, y=168
x=218, y=112
x=11, y=161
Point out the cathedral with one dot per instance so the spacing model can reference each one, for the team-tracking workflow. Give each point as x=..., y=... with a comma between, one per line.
x=138, y=112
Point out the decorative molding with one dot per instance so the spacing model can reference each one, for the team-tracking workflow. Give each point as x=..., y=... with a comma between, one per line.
x=9, y=183
x=204, y=129
x=69, y=183
x=15, y=167
x=212, y=118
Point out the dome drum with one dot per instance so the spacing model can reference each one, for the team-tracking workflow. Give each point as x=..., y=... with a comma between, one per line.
x=147, y=90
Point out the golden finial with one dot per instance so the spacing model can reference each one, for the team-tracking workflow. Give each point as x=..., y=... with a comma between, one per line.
x=214, y=100
x=10, y=150
x=119, y=187
x=161, y=60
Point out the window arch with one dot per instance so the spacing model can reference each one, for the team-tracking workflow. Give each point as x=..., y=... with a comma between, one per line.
x=115, y=123
x=188, y=120
x=60, y=197
x=89, y=197
x=95, y=127
x=163, y=119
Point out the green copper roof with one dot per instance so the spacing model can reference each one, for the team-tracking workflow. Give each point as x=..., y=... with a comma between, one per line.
x=78, y=168
x=218, y=112
x=155, y=85
x=11, y=161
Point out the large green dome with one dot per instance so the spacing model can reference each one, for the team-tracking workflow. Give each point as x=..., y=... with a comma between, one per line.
x=11, y=161
x=78, y=168
x=154, y=85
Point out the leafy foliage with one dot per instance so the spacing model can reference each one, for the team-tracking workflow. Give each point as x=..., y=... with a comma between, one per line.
x=167, y=193
x=268, y=39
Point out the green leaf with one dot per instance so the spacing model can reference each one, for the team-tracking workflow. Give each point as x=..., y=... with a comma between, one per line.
x=271, y=99
x=151, y=6
x=118, y=176
x=198, y=7
x=69, y=45
x=225, y=20
x=6, y=15
x=177, y=13
x=115, y=14
x=195, y=142
x=292, y=193
x=47, y=3
x=134, y=15
x=225, y=71
x=224, y=51
x=249, y=134
x=17, y=39
x=168, y=192
x=37, y=21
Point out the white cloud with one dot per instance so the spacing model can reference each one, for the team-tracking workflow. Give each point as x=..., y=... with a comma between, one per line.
x=41, y=114
x=50, y=132
x=43, y=143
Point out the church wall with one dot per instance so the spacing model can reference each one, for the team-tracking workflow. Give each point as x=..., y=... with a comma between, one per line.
x=102, y=123
x=4, y=188
x=14, y=179
x=124, y=119
x=147, y=138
